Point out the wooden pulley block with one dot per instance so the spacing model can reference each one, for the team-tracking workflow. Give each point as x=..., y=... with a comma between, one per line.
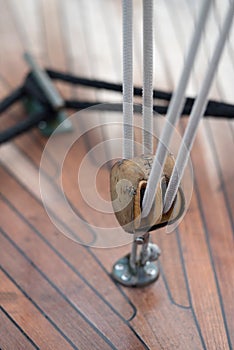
x=128, y=180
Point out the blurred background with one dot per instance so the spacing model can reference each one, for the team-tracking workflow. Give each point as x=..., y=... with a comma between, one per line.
x=57, y=294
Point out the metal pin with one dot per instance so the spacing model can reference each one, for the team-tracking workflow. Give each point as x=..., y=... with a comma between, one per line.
x=138, y=269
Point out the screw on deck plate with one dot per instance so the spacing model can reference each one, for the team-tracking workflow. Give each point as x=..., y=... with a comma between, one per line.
x=138, y=270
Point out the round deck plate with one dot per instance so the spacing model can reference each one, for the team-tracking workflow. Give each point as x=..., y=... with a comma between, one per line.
x=144, y=275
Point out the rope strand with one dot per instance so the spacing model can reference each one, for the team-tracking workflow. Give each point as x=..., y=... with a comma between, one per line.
x=127, y=79
x=147, y=76
x=174, y=111
x=197, y=112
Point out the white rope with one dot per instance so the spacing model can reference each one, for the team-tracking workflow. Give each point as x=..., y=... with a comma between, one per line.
x=174, y=111
x=127, y=79
x=197, y=112
x=147, y=132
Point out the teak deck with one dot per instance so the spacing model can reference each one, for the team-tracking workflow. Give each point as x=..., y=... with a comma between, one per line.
x=57, y=294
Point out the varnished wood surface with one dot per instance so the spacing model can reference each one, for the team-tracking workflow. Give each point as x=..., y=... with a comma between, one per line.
x=57, y=294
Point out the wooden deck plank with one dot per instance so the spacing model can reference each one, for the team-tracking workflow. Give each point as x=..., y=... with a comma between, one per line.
x=221, y=142
x=203, y=286
x=76, y=303
x=62, y=278
x=12, y=51
x=77, y=258
x=167, y=312
x=172, y=266
x=11, y=335
x=54, y=40
x=216, y=223
x=21, y=309
x=73, y=325
x=29, y=39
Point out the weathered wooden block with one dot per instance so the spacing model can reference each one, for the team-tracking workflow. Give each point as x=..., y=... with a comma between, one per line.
x=128, y=180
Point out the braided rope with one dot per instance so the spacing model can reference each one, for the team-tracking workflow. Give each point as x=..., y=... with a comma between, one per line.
x=147, y=76
x=174, y=111
x=127, y=79
x=197, y=112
